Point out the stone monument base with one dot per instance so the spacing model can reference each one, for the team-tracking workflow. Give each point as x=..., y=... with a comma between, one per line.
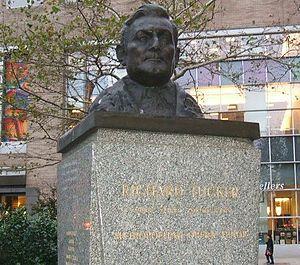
x=158, y=196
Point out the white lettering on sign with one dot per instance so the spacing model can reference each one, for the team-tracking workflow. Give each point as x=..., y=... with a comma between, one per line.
x=273, y=186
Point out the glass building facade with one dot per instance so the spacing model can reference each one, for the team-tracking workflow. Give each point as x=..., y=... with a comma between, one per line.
x=267, y=92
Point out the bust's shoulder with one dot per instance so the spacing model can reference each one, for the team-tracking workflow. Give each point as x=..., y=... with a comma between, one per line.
x=187, y=105
x=107, y=99
x=113, y=90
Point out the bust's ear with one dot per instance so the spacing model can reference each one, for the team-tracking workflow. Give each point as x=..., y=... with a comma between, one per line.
x=177, y=52
x=121, y=54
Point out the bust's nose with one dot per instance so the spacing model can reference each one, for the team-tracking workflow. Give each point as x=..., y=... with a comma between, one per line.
x=154, y=42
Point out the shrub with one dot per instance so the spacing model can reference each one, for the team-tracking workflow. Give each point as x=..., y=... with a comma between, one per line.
x=29, y=239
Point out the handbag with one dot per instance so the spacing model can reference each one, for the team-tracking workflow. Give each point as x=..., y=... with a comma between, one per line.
x=268, y=253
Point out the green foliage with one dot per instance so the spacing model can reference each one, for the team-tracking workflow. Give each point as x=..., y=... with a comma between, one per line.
x=28, y=239
x=47, y=202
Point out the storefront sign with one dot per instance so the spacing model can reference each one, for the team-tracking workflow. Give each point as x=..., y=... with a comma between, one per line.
x=273, y=186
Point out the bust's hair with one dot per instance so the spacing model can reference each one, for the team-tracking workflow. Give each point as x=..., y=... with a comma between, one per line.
x=150, y=10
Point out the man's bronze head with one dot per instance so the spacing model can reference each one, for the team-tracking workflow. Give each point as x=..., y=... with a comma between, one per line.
x=149, y=46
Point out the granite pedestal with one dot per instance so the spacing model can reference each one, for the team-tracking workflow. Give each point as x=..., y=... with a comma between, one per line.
x=141, y=190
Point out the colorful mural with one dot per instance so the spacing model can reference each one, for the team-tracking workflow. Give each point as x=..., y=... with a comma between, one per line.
x=14, y=120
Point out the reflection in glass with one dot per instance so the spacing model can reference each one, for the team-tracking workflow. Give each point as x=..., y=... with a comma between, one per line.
x=255, y=72
x=291, y=45
x=281, y=149
x=297, y=148
x=232, y=116
x=265, y=227
x=295, y=88
x=296, y=69
x=279, y=104
x=283, y=176
x=209, y=98
x=280, y=122
x=298, y=178
x=256, y=105
x=265, y=209
x=105, y=81
x=277, y=72
x=261, y=118
x=188, y=80
x=76, y=82
x=232, y=72
x=208, y=75
x=296, y=120
x=232, y=103
x=276, y=46
x=279, y=96
x=264, y=176
x=255, y=98
x=263, y=145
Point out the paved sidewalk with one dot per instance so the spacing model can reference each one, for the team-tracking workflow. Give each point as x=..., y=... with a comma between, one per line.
x=283, y=255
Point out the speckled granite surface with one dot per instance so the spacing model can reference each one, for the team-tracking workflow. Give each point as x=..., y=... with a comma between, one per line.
x=130, y=197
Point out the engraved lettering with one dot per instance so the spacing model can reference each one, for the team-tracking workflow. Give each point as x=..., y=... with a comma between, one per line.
x=179, y=235
x=152, y=191
x=234, y=234
x=215, y=192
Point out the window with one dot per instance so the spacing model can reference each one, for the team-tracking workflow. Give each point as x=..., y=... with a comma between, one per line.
x=13, y=200
x=298, y=179
x=283, y=176
x=280, y=122
x=231, y=73
x=208, y=75
x=277, y=71
x=256, y=105
x=232, y=99
x=263, y=145
x=188, y=80
x=281, y=208
x=281, y=149
x=265, y=227
x=255, y=72
x=285, y=231
x=284, y=207
x=209, y=98
x=265, y=204
x=295, y=101
x=22, y=3
x=295, y=69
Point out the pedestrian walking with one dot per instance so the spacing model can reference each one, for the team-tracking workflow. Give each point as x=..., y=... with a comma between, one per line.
x=270, y=250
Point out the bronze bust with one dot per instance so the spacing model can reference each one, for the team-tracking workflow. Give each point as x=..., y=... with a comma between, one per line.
x=149, y=52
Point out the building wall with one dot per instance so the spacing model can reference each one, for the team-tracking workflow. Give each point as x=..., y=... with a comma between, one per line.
x=256, y=13
x=229, y=14
x=241, y=13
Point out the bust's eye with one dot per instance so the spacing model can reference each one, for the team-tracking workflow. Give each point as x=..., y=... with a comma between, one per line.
x=142, y=36
x=165, y=38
